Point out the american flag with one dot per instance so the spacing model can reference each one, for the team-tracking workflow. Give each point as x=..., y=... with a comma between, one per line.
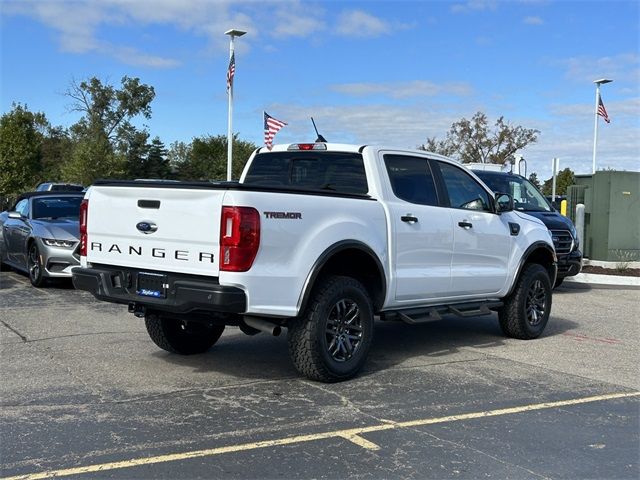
x=231, y=71
x=603, y=111
x=271, y=127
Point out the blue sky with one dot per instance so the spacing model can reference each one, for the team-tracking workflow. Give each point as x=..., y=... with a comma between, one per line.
x=376, y=72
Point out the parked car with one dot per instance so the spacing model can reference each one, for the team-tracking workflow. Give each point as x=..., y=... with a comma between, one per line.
x=317, y=238
x=40, y=235
x=59, y=187
x=556, y=203
x=527, y=198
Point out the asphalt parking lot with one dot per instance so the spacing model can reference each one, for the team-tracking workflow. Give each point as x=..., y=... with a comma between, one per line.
x=85, y=393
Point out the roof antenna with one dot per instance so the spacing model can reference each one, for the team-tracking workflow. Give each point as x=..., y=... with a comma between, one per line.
x=320, y=137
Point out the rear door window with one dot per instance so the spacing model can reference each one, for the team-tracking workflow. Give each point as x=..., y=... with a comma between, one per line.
x=330, y=171
x=411, y=179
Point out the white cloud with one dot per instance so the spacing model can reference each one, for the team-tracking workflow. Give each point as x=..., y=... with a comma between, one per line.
x=567, y=134
x=474, y=6
x=627, y=108
x=357, y=23
x=293, y=24
x=131, y=56
x=533, y=20
x=80, y=24
x=415, y=88
x=366, y=124
x=624, y=67
x=77, y=24
x=484, y=41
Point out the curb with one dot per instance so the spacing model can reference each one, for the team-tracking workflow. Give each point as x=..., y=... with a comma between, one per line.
x=602, y=263
x=605, y=280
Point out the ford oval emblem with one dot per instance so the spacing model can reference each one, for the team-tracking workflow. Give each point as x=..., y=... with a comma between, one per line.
x=146, y=227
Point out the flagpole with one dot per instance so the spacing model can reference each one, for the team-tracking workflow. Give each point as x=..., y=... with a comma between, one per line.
x=232, y=34
x=595, y=130
x=595, y=125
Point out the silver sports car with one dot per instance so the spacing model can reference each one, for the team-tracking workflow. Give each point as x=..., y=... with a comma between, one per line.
x=40, y=235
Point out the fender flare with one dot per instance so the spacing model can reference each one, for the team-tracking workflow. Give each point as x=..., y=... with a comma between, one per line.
x=525, y=256
x=324, y=258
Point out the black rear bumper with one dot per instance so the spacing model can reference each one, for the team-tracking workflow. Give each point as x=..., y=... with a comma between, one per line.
x=184, y=293
x=570, y=264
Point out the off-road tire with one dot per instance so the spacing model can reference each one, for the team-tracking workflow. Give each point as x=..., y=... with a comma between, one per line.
x=339, y=317
x=176, y=336
x=558, y=282
x=35, y=269
x=526, y=311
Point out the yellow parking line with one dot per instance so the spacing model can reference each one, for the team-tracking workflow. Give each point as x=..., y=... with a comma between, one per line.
x=352, y=434
x=360, y=441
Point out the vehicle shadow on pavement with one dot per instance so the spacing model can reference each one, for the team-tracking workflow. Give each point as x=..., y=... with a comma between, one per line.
x=445, y=339
x=572, y=287
x=448, y=340
x=9, y=279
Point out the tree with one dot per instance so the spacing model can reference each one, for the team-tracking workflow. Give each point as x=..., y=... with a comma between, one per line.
x=105, y=133
x=57, y=148
x=472, y=140
x=20, y=149
x=178, y=154
x=207, y=158
x=533, y=178
x=136, y=152
x=157, y=163
x=564, y=180
x=93, y=158
x=109, y=110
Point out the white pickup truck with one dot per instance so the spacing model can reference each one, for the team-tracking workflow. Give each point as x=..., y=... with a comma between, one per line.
x=320, y=239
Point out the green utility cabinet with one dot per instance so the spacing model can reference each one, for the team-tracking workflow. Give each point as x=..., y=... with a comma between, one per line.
x=612, y=214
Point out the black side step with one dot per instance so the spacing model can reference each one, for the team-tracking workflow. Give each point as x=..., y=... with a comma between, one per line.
x=415, y=316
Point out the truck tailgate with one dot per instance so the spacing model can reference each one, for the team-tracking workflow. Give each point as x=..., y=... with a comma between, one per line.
x=151, y=228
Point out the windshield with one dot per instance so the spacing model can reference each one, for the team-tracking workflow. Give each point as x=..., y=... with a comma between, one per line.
x=526, y=197
x=56, y=207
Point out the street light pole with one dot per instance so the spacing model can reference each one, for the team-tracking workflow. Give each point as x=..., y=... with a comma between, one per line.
x=232, y=34
x=555, y=166
x=602, y=81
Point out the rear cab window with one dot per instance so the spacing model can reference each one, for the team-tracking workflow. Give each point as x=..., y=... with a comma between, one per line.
x=340, y=172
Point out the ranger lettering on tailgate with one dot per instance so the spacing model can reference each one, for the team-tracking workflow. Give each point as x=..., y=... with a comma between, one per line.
x=155, y=252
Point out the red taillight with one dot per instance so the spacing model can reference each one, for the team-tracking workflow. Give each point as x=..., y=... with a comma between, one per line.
x=84, y=212
x=239, y=238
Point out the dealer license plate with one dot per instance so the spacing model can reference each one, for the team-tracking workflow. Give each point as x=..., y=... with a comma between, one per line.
x=152, y=285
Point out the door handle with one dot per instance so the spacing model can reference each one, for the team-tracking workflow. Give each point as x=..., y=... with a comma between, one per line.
x=409, y=218
x=465, y=224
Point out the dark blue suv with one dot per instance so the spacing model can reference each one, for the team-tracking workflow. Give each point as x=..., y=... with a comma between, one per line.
x=527, y=198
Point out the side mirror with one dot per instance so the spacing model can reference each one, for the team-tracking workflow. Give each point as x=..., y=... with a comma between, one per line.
x=15, y=215
x=504, y=202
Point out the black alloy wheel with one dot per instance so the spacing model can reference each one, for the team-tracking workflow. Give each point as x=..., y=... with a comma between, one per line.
x=330, y=340
x=344, y=330
x=526, y=311
x=536, y=305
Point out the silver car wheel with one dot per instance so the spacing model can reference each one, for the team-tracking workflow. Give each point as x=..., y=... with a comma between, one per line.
x=34, y=266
